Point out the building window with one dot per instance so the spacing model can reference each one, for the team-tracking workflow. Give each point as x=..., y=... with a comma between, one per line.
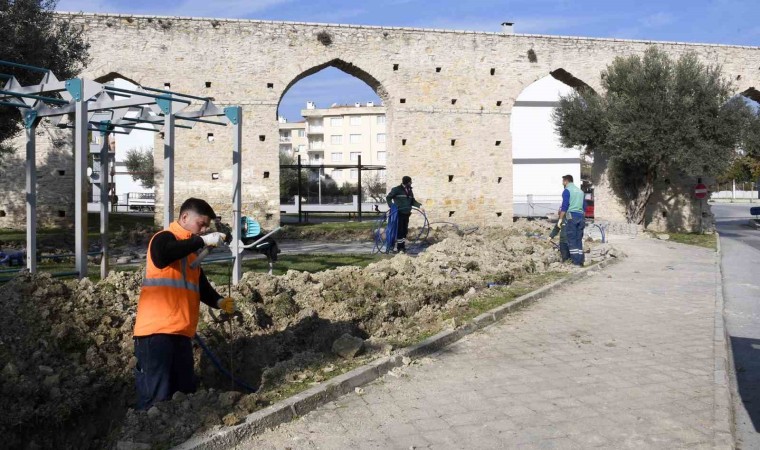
x=355, y=138
x=301, y=133
x=381, y=138
x=336, y=121
x=337, y=174
x=356, y=120
x=355, y=156
x=354, y=174
x=381, y=120
x=381, y=156
x=337, y=157
x=336, y=139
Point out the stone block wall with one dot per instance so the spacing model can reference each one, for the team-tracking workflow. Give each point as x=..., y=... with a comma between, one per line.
x=437, y=85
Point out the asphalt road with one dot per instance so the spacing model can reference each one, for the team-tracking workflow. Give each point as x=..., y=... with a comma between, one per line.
x=740, y=245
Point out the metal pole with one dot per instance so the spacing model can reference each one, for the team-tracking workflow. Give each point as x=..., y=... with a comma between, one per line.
x=299, y=189
x=81, y=150
x=359, y=185
x=319, y=180
x=104, y=185
x=531, y=209
x=169, y=170
x=235, y=114
x=31, y=192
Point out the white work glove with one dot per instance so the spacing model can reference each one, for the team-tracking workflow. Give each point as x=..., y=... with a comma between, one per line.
x=214, y=239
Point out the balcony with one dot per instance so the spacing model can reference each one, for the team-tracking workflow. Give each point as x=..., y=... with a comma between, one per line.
x=286, y=139
x=316, y=146
x=316, y=130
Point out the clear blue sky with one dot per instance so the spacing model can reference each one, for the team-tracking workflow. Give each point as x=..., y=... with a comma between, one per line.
x=713, y=21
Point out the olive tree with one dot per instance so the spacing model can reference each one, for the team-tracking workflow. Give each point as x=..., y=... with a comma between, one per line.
x=33, y=34
x=654, y=118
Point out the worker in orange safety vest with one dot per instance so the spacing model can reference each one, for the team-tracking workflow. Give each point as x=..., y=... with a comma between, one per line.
x=169, y=304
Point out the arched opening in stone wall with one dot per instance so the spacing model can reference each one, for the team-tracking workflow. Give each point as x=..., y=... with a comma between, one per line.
x=538, y=158
x=739, y=182
x=332, y=116
x=132, y=169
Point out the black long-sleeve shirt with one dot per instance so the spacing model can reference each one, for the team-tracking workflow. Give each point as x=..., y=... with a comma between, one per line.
x=165, y=249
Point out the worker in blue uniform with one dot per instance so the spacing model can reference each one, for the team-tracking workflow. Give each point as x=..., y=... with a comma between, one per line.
x=571, y=215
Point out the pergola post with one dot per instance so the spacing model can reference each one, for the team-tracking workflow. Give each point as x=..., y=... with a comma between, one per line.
x=104, y=200
x=30, y=123
x=76, y=88
x=235, y=116
x=168, y=107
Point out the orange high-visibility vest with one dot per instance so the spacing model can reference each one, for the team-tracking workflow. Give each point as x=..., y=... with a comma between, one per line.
x=170, y=297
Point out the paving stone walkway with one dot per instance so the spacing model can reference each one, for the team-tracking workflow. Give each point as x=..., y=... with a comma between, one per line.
x=623, y=359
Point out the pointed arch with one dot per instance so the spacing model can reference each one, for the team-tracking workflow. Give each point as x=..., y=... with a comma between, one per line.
x=345, y=67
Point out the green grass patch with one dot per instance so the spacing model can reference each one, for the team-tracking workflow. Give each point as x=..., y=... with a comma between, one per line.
x=116, y=223
x=502, y=295
x=219, y=273
x=328, y=230
x=701, y=240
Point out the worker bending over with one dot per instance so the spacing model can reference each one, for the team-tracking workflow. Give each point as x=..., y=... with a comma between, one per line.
x=168, y=309
x=403, y=197
x=571, y=215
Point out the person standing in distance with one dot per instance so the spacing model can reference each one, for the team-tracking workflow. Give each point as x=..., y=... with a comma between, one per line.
x=403, y=197
x=169, y=304
x=572, y=212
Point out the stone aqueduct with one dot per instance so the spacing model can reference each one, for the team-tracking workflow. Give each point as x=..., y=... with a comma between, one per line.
x=448, y=96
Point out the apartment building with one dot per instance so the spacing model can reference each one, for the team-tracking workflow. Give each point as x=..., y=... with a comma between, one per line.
x=293, y=137
x=338, y=135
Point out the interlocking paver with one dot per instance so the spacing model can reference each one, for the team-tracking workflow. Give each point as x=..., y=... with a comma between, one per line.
x=622, y=359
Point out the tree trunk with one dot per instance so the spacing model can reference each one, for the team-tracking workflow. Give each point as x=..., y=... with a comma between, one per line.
x=638, y=198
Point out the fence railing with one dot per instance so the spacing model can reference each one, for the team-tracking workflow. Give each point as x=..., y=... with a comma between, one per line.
x=744, y=191
x=530, y=205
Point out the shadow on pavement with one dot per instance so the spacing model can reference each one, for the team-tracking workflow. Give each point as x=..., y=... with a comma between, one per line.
x=747, y=366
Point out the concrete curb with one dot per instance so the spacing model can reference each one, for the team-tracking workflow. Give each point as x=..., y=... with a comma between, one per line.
x=723, y=410
x=308, y=400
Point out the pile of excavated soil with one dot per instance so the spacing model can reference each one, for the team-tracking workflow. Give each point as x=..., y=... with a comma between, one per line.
x=66, y=351
x=65, y=354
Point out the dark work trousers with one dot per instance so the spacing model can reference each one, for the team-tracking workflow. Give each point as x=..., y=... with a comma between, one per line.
x=564, y=251
x=164, y=366
x=403, y=229
x=575, y=225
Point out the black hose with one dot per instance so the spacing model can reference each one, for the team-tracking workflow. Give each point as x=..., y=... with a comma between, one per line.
x=221, y=368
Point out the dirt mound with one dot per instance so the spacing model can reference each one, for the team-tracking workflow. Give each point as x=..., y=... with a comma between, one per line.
x=67, y=352
x=66, y=349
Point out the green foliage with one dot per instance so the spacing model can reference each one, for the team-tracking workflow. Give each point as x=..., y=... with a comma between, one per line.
x=751, y=136
x=289, y=178
x=655, y=118
x=33, y=35
x=141, y=167
x=743, y=169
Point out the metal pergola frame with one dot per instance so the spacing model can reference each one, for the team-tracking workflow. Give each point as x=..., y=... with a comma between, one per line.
x=106, y=109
